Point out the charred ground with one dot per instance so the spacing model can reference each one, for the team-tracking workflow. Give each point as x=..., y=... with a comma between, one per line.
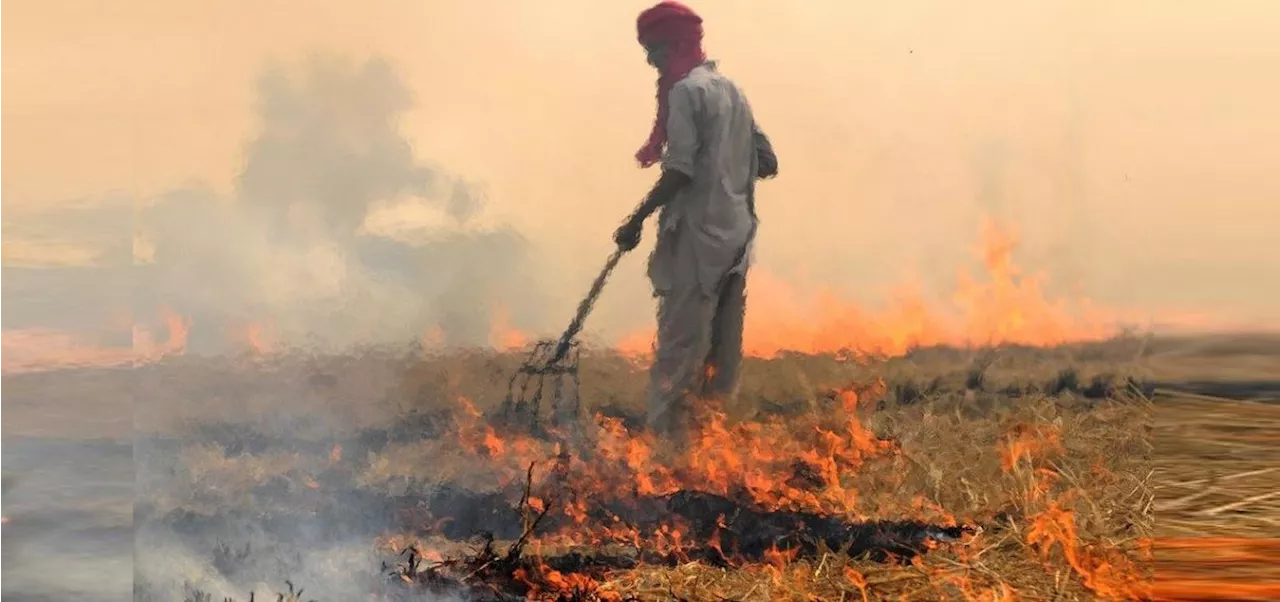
x=1013, y=472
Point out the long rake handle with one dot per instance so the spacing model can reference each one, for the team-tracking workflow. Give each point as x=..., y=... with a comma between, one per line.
x=584, y=307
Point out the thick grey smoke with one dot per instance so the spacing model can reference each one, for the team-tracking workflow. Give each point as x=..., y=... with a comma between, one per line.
x=336, y=235
x=293, y=249
x=329, y=148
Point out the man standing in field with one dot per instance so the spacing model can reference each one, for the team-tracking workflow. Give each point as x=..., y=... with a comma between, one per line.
x=711, y=152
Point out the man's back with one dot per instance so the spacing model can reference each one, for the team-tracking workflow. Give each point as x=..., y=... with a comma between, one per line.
x=710, y=138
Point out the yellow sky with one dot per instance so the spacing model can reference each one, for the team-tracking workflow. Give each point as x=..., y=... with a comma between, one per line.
x=1132, y=143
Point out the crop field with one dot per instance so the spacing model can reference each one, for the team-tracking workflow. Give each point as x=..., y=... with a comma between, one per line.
x=1128, y=469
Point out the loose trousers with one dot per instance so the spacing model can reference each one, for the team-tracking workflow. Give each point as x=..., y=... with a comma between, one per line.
x=698, y=353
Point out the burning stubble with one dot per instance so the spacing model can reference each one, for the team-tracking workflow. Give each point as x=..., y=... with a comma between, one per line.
x=1015, y=484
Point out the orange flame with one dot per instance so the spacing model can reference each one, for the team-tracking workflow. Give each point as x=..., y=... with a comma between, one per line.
x=1103, y=570
x=501, y=335
x=793, y=465
x=433, y=339
x=261, y=338
x=1006, y=306
x=1027, y=443
x=764, y=461
x=147, y=349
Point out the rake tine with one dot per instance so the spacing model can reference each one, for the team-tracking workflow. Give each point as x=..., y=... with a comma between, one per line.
x=556, y=398
x=577, y=387
x=527, y=388
x=521, y=376
x=537, y=402
x=522, y=405
x=510, y=405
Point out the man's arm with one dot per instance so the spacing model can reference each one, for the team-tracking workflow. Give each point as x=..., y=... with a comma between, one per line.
x=668, y=185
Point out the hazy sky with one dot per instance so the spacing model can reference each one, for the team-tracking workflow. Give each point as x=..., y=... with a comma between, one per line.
x=1132, y=144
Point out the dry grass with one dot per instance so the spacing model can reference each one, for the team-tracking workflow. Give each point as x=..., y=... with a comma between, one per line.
x=951, y=464
x=1050, y=479
x=1073, y=492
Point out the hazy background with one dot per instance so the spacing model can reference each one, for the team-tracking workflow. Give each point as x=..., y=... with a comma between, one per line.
x=332, y=173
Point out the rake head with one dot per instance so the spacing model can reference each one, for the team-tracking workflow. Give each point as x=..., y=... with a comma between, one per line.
x=548, y=374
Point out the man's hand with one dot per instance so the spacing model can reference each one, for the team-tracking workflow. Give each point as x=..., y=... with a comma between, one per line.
x=628, y=234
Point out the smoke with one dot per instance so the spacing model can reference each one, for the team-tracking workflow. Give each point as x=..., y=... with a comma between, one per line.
x=337, y=234
x=214, y=517
x=167, y=569
x=329, y=148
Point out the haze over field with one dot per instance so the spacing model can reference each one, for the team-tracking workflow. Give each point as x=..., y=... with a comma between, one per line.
x=234, y=175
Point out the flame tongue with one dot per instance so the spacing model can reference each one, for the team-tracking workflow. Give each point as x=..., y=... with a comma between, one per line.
x=1004, y=306
x=739, y=493
x=770, y=496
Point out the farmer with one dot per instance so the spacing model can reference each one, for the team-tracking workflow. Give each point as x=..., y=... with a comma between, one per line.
x=711, y=152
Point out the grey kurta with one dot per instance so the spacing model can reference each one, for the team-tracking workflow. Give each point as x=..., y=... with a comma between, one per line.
x=698, y=267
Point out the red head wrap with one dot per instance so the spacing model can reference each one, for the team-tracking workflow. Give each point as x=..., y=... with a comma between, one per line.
x=677, y=26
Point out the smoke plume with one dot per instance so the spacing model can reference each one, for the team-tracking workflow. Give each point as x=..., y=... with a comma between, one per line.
x=337, y=233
